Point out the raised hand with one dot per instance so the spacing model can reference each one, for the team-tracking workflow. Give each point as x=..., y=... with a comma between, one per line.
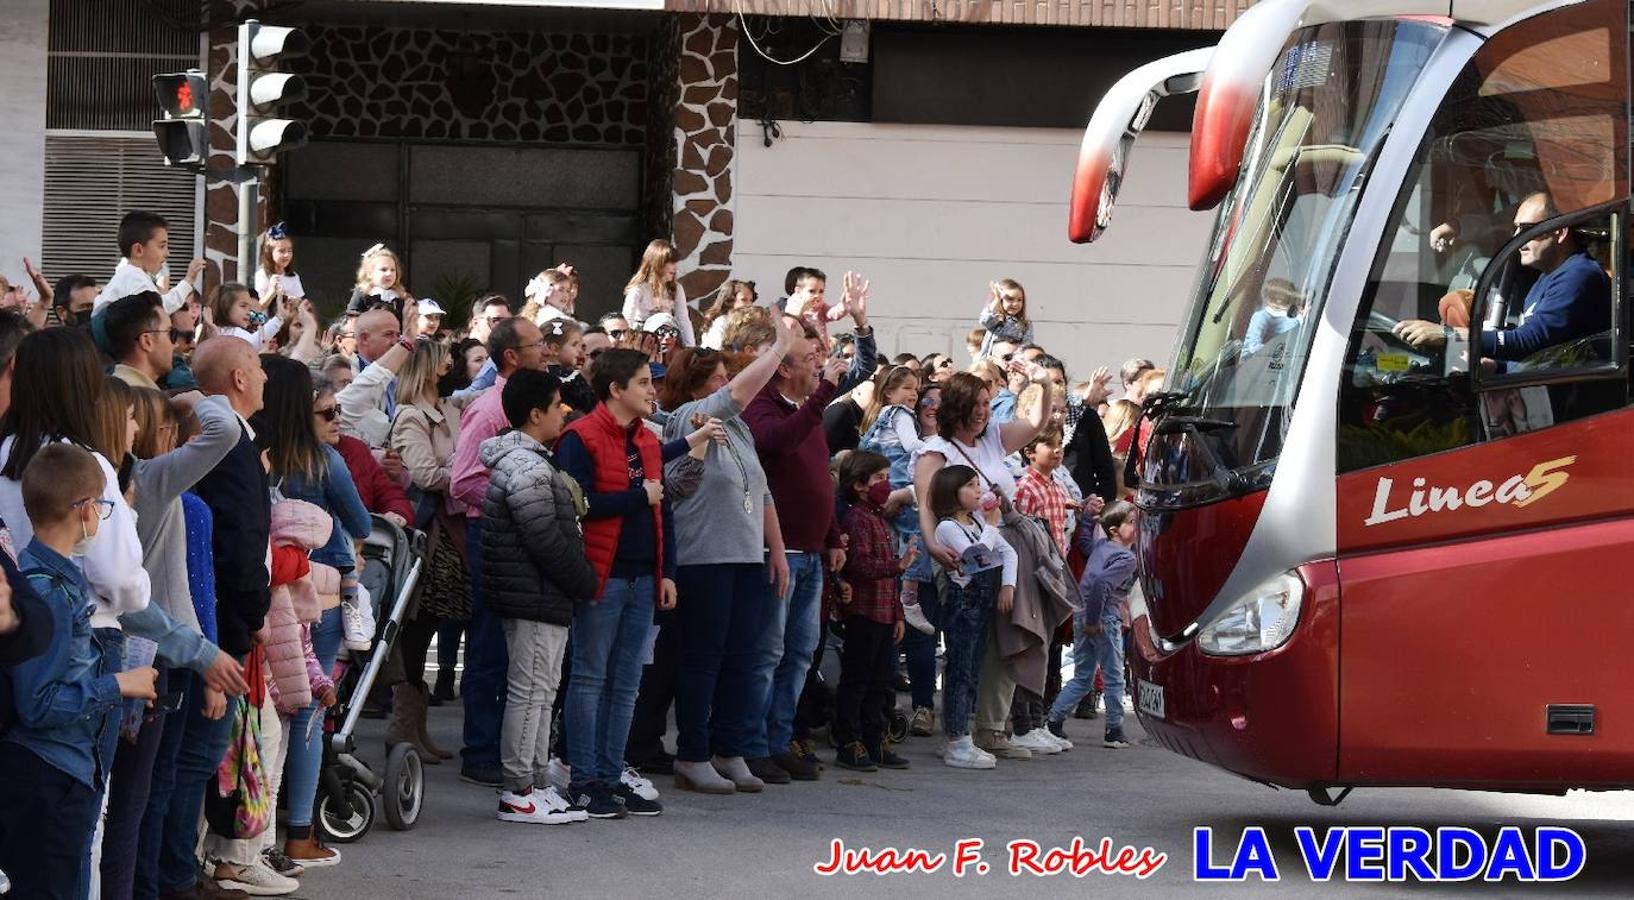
x=854, y=297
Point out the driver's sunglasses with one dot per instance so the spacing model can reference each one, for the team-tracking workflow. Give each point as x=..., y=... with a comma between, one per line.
x=1524, y=226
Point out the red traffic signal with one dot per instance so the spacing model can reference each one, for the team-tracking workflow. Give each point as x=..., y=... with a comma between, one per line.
x=181, y=95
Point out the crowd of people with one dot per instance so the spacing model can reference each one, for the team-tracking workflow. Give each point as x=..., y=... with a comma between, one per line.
x=623, y=521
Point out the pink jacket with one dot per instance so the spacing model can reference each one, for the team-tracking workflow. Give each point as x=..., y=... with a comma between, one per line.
x=296, y=675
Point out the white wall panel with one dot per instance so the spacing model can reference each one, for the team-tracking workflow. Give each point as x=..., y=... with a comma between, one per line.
x=931, y=214
x=22, y=139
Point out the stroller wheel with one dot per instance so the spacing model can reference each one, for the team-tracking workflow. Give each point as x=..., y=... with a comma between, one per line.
x=344, y=826
x=897, y=726
x=405, y=788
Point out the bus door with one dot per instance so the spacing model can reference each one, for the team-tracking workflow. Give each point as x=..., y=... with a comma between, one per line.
x=1486, y=489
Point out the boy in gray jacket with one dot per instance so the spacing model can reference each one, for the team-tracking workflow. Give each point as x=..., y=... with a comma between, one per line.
x=533, y=566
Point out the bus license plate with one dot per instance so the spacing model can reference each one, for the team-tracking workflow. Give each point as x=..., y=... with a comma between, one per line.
x=1150, y=698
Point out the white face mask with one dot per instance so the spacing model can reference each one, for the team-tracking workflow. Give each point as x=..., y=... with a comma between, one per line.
x=82, y=547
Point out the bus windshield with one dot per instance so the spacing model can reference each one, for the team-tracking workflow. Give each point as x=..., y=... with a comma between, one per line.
x=1323, y=115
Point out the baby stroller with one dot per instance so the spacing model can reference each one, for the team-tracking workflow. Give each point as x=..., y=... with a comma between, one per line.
x=347, y=787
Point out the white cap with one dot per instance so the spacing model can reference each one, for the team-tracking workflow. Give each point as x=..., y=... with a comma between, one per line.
x=657, y=321
x=430, y=307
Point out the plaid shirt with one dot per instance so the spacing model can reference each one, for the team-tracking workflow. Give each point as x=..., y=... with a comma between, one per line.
x=871, y=567
x=1039, y=495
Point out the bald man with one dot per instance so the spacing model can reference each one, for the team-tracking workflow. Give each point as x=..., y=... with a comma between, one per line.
x=368, y=404
x=237, y=494
x=1571, y=301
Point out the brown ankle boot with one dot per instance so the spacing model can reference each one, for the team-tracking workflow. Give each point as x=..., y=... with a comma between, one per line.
x=408, y=716
x=424, y=736
x=311, y=854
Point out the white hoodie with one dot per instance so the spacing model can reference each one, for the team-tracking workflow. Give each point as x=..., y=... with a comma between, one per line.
x=113, y=568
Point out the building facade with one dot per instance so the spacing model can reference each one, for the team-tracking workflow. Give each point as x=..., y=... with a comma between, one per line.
x=927, y=144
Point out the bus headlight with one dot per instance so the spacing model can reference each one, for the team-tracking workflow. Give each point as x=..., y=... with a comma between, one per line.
x=1262, y=620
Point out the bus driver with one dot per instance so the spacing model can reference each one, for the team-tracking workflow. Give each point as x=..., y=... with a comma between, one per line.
x=1572, y=300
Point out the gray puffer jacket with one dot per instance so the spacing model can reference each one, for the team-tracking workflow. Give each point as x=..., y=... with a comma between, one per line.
x=533, y=560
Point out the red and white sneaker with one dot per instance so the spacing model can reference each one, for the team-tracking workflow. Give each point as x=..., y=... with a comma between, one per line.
x=531, y=809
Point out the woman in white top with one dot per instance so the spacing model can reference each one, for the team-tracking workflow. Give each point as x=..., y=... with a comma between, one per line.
x=965, y=437
x=58, y=364
x=653, y=289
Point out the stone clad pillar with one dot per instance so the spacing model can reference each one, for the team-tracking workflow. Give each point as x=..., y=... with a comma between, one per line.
x=705, y=130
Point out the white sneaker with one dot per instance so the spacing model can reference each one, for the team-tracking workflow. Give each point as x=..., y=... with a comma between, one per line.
x=641, y=786
x=531, y=809
x=1060, y=741
x=1038, y=741
x=558, y=774
x=357, y=621
x=256, y=880
x=549, y=799
x=964, y=754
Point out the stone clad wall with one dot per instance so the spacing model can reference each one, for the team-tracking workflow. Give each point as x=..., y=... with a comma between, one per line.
x=706, y=140
x=426, y=84
x=403, y=83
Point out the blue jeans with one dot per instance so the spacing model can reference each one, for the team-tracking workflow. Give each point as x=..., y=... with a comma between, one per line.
x=788, y=640
x=170, y=831
x=920, y=649
x=609, y=637
x=966, y=612
x=306, y=752
x=1106, y=649
x=486, y=665
x=720, y=612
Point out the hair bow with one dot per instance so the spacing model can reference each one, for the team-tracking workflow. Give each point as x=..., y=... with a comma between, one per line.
x=557, y=327
x=538, y=286
x=277, y=232
x=373, y=250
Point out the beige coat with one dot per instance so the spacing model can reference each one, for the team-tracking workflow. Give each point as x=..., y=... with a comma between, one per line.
x=1042, y=603
x=424, y=436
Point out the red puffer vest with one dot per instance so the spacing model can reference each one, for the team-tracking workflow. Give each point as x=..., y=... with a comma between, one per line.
x=605, y=439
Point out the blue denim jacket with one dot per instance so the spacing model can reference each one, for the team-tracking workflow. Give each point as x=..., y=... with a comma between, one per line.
x=336, y=494
x=67, y=698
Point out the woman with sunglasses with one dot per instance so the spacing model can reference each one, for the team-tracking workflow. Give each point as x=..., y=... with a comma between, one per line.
x=296, y=429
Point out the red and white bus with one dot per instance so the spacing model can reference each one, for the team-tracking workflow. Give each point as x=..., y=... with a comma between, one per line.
x=1382, y=546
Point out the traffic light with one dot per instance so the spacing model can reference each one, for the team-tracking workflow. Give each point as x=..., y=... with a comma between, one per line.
x=261, y=88
x=183, y=133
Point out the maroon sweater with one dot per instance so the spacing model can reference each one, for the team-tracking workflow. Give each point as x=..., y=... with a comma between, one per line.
x=794, y=453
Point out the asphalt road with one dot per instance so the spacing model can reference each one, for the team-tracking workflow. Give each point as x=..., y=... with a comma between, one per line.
x=767, y=845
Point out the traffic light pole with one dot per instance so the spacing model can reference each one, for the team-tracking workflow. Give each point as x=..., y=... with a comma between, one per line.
x=248, y=191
